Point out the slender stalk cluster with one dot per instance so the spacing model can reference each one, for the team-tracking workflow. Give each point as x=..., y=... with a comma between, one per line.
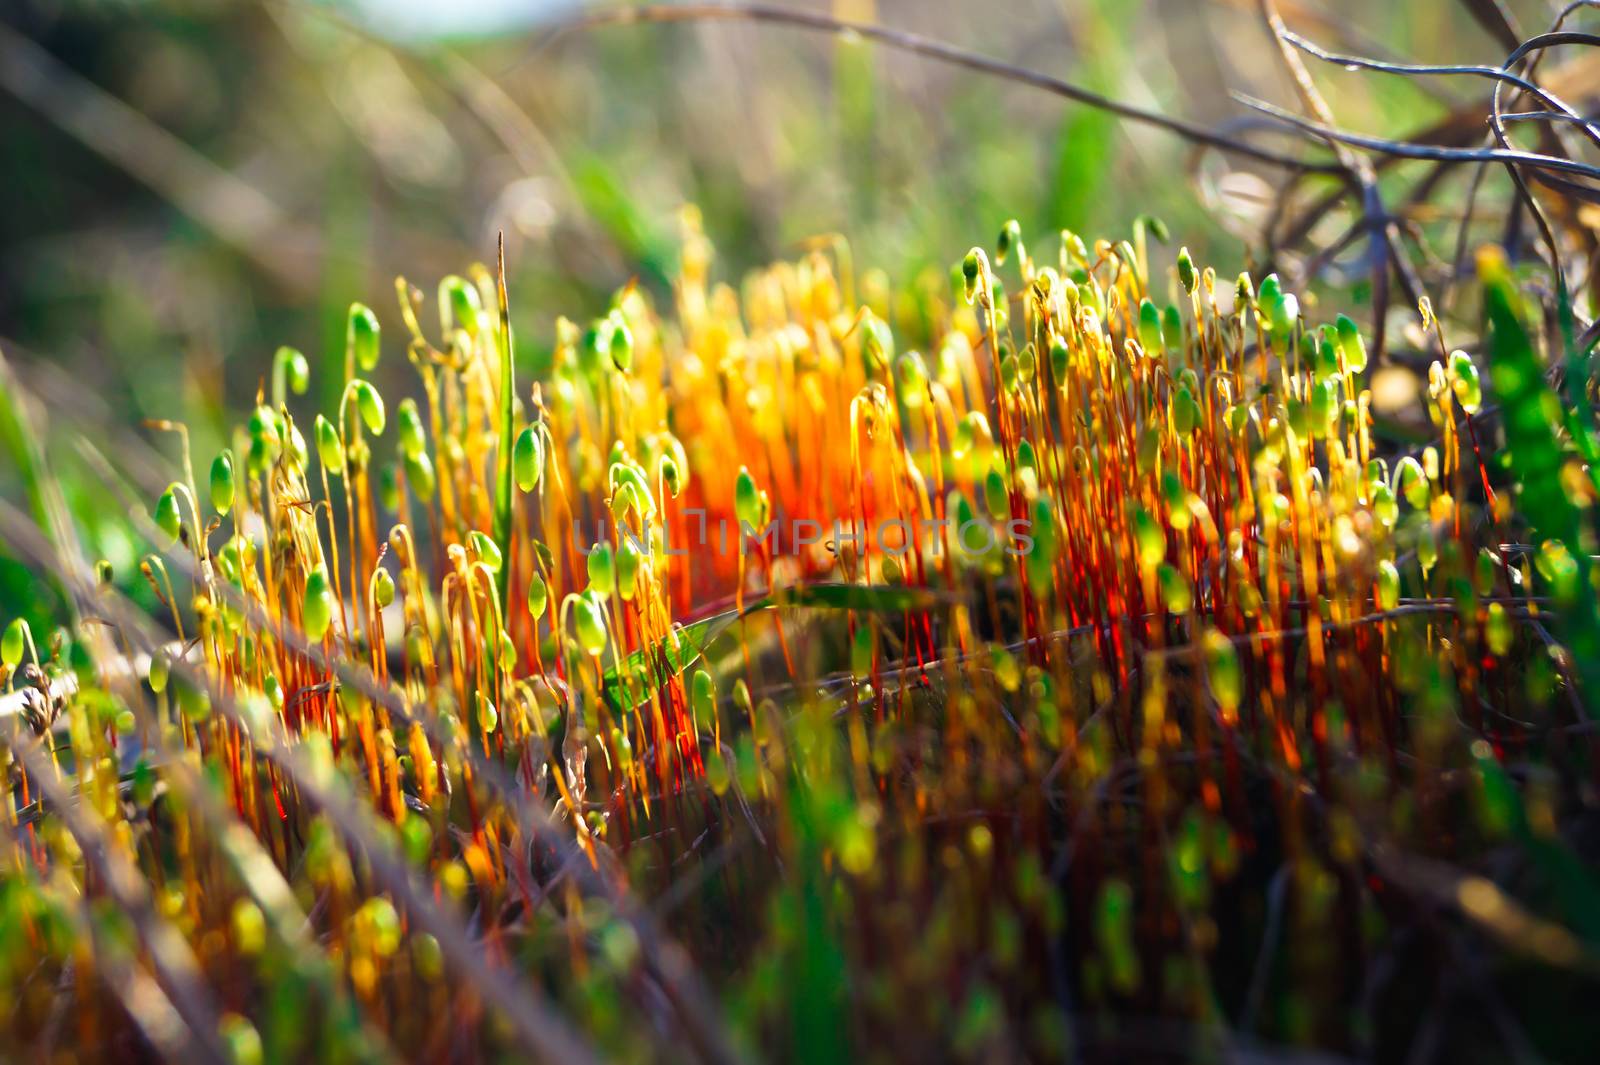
x=1057, y=638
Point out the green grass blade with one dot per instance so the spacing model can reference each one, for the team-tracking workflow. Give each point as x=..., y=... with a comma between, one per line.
x=1532, y=412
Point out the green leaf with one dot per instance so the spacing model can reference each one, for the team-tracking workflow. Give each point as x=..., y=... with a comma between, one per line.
x=1576, y=892
x=1532, y=413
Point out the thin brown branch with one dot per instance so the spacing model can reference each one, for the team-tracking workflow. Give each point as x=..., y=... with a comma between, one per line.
x=1385, y=234
x=915, y=44
x=1499, y=74
x=1416, y=150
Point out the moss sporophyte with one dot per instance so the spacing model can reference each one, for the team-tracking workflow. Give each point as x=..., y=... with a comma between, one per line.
x=1112, y=602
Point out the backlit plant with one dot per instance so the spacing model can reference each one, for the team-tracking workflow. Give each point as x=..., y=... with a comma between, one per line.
x=967, y=669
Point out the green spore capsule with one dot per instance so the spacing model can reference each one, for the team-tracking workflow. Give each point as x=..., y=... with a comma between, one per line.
x=995, y=496
x=1114, y=932
x=746, y=499
x=296, y=370
x=1325, y=405
x=1010, y=237
x=13, y=644
x=361, y=337
x=1485, y=572
x=969, y=273
x=602, y=568
x=877, y=342
x=316, y=610
x=1010, y=377
x=1176, y=595
x=1555, y=564
x=538, y=597
x=1244, y=293
x=158, y=672
x=1060, y=361
x=389, y=487
x=1464, y=382
x=416, y=837
x=1172, y=328
x=703, y=696
x=1387, y=580
x=166, y=516
x=1427, y=546
x=486, y=549
x=370, y=404
x=420, y=476
x=1148, y=455
x=971, y=431
x=590, y=624
x=194, y=703
x=621, y=346
x=1327, y=352
x=719, y=776
x=1223, y=673
x=594, y=349
x=1412, y=482
x=330, y=449
x=911, y=379
x=527, y=459
x=1073, y=247
x=628, y=562
x=1026, y=459
x=1498, y=630
x=222, y=485
x=262, y=428
x=1149, y=539
x=1153, y=225
x=1185, y=412
x=671, y=476
x=1270, y=292
x=1351, y=346
x=408, y=428
x=1046, y=542
x=1130, y=258
x=1385, y=507
x=297, y=447
x=1186, y=275
x=382, y=588
x=1046, y=535
x=458, y=305
x=241, y=1039
x=1149, y=327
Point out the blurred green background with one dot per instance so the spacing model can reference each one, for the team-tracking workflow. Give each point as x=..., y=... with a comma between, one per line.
x=190, y=183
